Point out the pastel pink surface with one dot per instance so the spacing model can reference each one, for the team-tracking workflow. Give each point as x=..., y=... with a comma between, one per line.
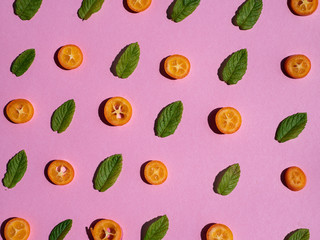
x=260, y=207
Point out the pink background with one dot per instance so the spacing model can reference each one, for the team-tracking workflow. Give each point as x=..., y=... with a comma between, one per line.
x=260, y=207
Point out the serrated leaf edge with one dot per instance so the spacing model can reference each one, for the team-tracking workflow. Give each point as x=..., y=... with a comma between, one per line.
x=161, y=119
x=235, y=172
x=118, y=163
x=65, y=115
x=20, y=155
x=284, y=121
x=163, y=224
x=63, y=233
x=27, y=52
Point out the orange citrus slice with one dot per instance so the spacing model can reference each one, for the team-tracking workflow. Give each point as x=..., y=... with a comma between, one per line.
x=228, y=120
x=304, y=7
x=19, y=111
x=106, y=229
x=60, y=172
x=297, y=66
x=219, y=232
x=177, y=66
x=70, y=56
x=295, y=178
x=17, y=229
x=138, y=5
x=117, y=111
x=155, y=172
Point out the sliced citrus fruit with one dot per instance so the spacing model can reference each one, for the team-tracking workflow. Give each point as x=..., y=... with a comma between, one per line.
x=60, y=172
x=304, y=7
x=117, y=111
x=228, y=120
x=295, y=178
x=219, y=232
x=177, y=66
x=70, y=56
x=17, y=229
x=106, y=229
x=138, y=5
x=19, y=111
x=297, y=66
x=155, y=172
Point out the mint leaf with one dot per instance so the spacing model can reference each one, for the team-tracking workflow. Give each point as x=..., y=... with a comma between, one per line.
x=108, y=172
x=158, y=229
x=300, y=234
x=168, y=119
x=89, y=7
x=22, y=63
x=248, y=14
x=229, y=180
x=26, y=9
x=128, y=61
x=62, y=116
x=291, y=127
x=61, y=230
x=235, y=67
x=16, y=169
x=183, y=8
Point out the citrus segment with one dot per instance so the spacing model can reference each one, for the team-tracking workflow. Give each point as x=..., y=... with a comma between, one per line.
x=17, y=229
x=60, y=172
x=177, y=66
x=297, y=66
x=155, y=172
x=117, y=111
x=138, y=5
x=228, y=120
x=19, y=111
x=70, y=56
x=219, y=232
x=105, y=230
x=295, y=178
x=304, y=7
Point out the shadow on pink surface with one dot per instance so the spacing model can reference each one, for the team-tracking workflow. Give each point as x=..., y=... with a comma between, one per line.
x=212, y=121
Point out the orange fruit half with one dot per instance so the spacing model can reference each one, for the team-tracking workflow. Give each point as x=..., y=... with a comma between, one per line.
x=177, y=66
x=138, y=5
x=228, y=120
x=304, y=7
x=17, y=229
x=295, y=178
x=219, y=232
x=155, y=172
x=19, y=111
x=297, y=66
x=70, y=56
x=117, y=111
x=60, y=172
x=106, y=229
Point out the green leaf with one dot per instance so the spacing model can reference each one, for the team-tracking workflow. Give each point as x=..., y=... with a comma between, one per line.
x=183, y=8
x=62, y=116
x=168, y=119
x=235, y=67
x=300, y=234
x=89, y=7
x=158, y=229
x=128, y=61
x=16, y=169
x=22, y=63
x=291, y=127
x=108, y=172
x=61, y=230
x=26, y=9
x=229, y=179
x=248, y=14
